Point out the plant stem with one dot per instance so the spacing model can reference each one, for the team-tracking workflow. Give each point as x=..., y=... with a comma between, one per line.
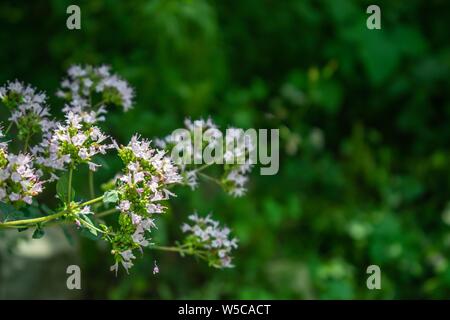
x=69, y=191
x=203, y=167
x=94, y=227
x=9, y=127
x=27, y=222
x=92, y=201
x=27, y=140
x=98, y=104
x=210, y=178
x=91, y=184
x=21, y=223
x=106, y=213
x=163, y=248
x=189, y=251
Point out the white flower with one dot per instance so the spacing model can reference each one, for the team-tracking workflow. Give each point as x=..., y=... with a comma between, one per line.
x=93, y=166
x=155, y=269
x=235, y=174
x=212, y=238
x=83, y=82
x=135, y=219
x=124, y=205
x=115, y=268
x=28, y=110
x=127, y=256
x=86, y=210
x=147, y=174
x=18, y=179
x=75, y=142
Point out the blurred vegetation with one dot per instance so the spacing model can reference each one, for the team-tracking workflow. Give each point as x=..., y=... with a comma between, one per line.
x=363, y=115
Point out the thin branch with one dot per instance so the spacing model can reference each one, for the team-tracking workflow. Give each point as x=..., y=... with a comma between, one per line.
x=27, y=222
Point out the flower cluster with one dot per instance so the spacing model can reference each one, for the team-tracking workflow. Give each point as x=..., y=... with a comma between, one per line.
x=75, y=143
x=137, y=194
x=79, y=143
x=3, y=150
x=133, y=235
x=19, y=182
x=178, y=137
x=15, y=93
x=235, y=177
x=28, y=110
x=143, y=184
x=3, y=145
x=88, y=115
x=207, y=240
x=147, y=175
x=83, y=83
x=235, y=159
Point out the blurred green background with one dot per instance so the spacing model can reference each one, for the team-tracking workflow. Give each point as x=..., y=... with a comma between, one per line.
x=364, y=122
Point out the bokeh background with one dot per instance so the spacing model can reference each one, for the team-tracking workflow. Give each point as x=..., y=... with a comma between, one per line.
x=365, y=141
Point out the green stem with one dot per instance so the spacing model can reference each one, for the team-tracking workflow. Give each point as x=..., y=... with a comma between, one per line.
x=203, y=167
x=92, y=201
x=69, y=188
x=185, y=248
x=210, y=178
x=163, y=248
x=94, y=227
x=27, y=140
x=9, y=127
x=106, y=213
x=21, y=223
x=98, y=104
x=189, y=251
x=27, y=222
x=91, y=184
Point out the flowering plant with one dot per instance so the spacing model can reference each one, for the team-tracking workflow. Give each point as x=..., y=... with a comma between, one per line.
x=39, y=152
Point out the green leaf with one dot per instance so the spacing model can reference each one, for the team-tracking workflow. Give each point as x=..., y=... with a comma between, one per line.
x=68, y=236
x=38, y=233
x=85, y=233
x=9, y=212
x=6, y=209
x=33, y=212
x=88, y=220
x=46, y=209
x=102, y=162
x=62, y=187
x=111, y=197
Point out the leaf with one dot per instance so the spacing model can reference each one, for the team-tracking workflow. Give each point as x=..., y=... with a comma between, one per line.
x=87, y=233
x=38, y=233
x=111, y=197
x=62, y=187
x=89, y=221
x=68, y=236
x=33, y=212
x=9, y=212
x=6, y=208
x=102, y=162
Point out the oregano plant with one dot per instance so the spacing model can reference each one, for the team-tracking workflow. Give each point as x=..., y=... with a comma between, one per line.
x=39, y=152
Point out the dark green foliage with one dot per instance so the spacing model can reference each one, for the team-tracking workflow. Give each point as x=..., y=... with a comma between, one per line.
x=364, y=123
